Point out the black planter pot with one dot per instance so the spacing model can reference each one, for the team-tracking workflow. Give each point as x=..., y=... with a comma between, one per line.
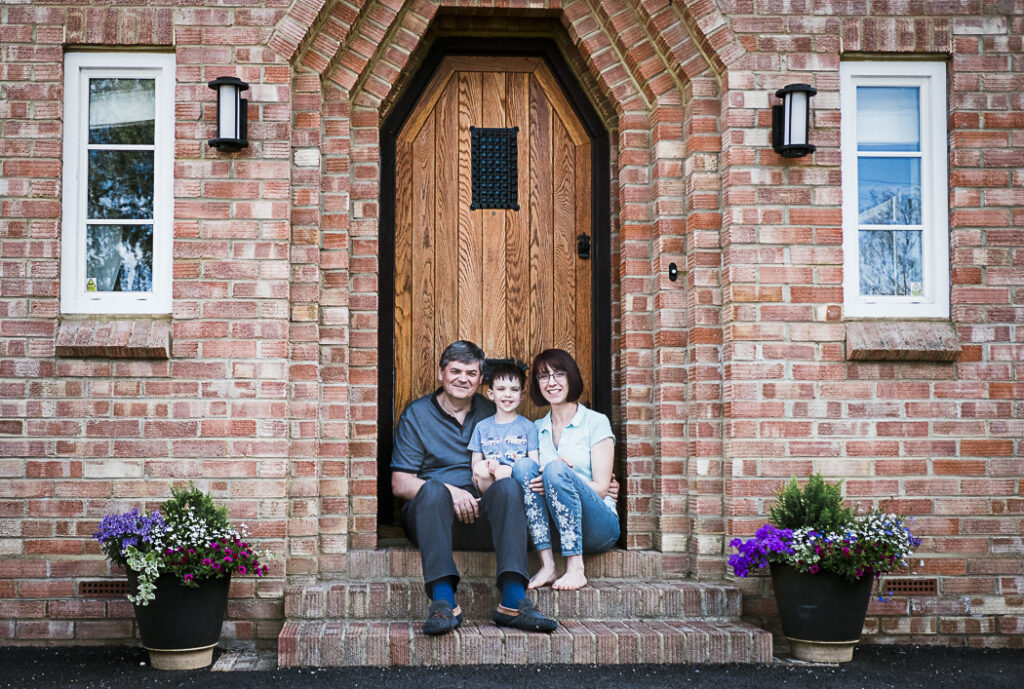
x=822, y=614
x=181, y=626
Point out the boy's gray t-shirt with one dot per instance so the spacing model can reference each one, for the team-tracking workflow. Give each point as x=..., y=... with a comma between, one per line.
x=505, y=442
x=432, y=444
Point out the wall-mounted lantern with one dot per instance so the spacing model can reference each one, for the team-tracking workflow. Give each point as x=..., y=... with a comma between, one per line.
x=791, y=121
x=232, y=115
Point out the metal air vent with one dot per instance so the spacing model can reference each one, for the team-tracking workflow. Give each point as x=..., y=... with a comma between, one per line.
x=910, y=587
x=103, y=588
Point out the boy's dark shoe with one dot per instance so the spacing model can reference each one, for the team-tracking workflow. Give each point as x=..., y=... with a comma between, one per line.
x=525, y=617
x=441, y=619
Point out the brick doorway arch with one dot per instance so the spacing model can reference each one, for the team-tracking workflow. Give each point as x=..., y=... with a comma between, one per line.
x=597, y=345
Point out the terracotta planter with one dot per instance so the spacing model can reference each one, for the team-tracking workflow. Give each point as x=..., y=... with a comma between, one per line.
x=822, y=614
x=181, y=627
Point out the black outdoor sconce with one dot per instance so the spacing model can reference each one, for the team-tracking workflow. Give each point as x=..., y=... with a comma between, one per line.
x=791, y=121
x=232, y=115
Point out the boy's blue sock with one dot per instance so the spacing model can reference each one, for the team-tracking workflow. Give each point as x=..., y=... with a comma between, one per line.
x=513, y=590
x=443, y=589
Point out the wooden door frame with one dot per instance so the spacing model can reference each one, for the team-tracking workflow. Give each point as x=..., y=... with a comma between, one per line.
x=600, y=231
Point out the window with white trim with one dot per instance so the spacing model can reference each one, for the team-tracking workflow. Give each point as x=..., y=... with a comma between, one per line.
x=895, y=189
x=116, y=235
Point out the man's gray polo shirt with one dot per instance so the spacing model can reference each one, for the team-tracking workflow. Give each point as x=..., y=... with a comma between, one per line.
x=432, y=444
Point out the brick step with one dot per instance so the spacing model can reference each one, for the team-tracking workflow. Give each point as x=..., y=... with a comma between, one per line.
x=357, y=643
x=399, y=561
x=602, y=599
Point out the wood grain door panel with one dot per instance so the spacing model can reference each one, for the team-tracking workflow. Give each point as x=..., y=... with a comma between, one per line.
x=509, y=280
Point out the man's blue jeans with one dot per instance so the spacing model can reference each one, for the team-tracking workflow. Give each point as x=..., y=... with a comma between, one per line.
x=585, y=523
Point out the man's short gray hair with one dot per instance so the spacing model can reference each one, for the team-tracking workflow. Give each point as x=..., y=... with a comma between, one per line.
x=464, y=352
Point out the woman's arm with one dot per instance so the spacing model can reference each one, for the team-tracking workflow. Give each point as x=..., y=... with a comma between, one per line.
x=602, y=456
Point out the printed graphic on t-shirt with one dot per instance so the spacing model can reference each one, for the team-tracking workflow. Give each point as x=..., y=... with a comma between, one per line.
x=504, y=443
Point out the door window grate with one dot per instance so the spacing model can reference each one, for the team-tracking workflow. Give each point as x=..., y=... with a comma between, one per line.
x=495, y=167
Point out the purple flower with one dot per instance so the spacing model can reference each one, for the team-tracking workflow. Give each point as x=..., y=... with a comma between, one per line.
x=215, y=566
x=118, y=531
x=228, y=560
x=242, y=569
x=814, y=569
x=215, y=545
x=207, y=562
x=188, y=578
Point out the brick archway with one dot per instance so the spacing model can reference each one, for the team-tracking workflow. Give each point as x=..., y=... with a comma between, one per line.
x=660, y=70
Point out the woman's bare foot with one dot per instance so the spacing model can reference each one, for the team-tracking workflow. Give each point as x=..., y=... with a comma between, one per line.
x=543, y=577
x=570, y=581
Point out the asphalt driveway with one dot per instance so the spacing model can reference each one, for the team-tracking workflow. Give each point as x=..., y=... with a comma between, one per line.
x=873, y=667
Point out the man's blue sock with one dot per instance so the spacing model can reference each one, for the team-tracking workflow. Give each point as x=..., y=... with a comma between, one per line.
x=512, y=591
x=443, y=589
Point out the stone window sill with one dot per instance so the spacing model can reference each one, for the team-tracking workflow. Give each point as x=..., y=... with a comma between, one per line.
x=901, y=341
x=129, y=338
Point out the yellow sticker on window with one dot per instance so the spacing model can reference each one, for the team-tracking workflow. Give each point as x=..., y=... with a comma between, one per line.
x=90, y=285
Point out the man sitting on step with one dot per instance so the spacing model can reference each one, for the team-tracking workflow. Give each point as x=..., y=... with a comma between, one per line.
x=430, y=469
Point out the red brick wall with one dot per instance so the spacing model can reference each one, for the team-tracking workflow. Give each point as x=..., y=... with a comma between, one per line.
x=727, y=380
x=943, y=439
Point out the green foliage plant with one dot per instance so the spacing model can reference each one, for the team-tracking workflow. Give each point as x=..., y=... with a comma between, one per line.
x=818, y=505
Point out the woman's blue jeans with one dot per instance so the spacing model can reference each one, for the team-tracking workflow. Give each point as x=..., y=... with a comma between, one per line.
x=585, y=523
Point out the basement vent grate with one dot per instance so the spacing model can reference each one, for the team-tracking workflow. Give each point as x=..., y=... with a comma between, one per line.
x=104, y=588
x=911, y=587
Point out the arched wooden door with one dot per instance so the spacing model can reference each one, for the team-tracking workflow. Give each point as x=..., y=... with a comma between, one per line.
x=512, y=279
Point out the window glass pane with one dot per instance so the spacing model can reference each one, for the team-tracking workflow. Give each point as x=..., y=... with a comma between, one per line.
x=119, y=258
x=122, y=111
x=890, y=262
x=889, y=191
x=876, y=262
x=120, y=184
x=888, y=118
x=907, y=250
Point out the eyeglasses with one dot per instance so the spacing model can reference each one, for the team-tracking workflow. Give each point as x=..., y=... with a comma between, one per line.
x=557, y=376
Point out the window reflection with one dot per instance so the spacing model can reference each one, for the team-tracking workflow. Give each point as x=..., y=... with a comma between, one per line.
x=119, y=258
x=122, y=111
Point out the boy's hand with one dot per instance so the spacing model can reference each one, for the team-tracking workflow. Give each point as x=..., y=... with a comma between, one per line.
x=481, y=470
x=492, y=465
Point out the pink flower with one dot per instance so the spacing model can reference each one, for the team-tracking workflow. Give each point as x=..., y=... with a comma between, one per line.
x=242, y=569
x=228, y=560
x=188, y=578
x=207, y=561
x=814, y=569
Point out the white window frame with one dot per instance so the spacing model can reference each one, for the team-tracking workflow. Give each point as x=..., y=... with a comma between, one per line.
x=79, y=67
x=930, y=78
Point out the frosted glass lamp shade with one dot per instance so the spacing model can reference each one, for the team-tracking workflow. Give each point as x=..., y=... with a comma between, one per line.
x=232, y=115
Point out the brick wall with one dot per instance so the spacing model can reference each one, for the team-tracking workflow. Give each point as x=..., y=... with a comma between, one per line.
x=726, y=381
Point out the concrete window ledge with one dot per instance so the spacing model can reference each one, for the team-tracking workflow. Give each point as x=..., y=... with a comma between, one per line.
x=132, y=338
x=901, y=341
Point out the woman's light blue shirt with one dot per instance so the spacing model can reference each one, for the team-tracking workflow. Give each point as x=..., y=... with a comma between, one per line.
x=587, y=428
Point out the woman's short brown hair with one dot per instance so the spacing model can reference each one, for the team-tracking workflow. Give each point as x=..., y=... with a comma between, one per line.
x=556, y=360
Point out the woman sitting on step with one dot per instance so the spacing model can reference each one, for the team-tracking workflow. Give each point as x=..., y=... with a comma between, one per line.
x=571, y=484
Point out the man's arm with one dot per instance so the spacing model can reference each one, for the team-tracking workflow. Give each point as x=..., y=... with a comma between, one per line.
x=405, y=485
